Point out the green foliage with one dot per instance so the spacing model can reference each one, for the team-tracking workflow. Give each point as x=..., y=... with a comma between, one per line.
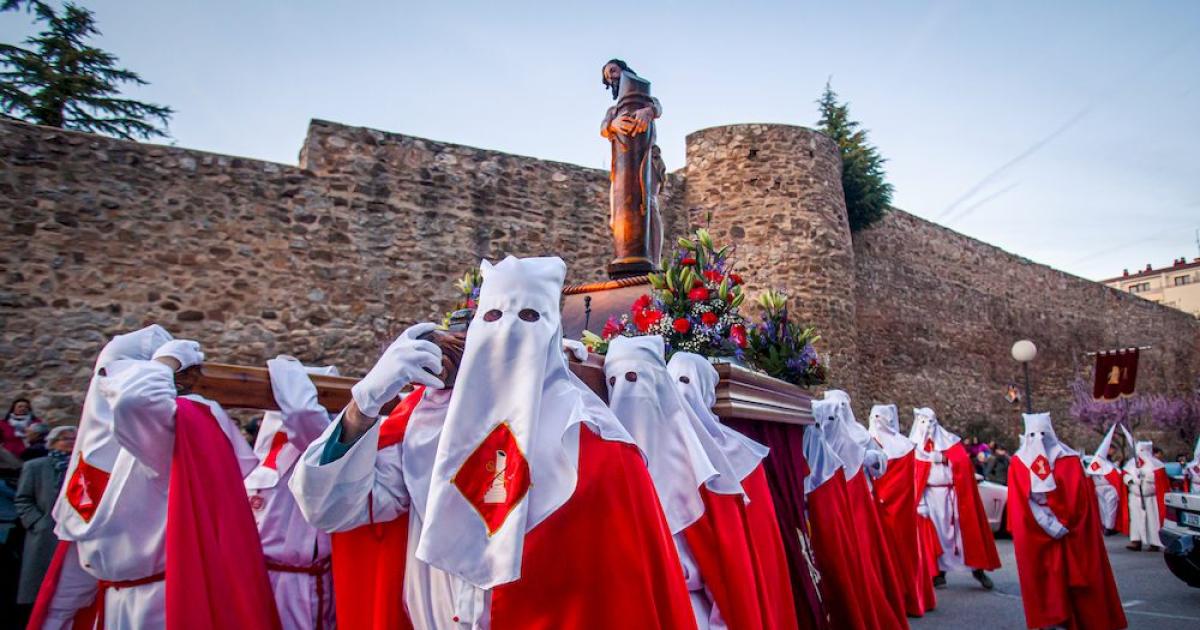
x=59, y=80
x=868, y=195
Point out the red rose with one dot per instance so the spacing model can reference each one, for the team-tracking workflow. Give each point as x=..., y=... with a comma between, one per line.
x=714, y=277
x=737, y=333
x=681, y=325
x=708, y=319
x=688, y=261
x=646, y=318
x=698, y=294
x=640, y=304
x=735, y=278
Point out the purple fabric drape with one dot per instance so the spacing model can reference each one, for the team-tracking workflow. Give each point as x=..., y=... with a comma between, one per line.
x=786, y=468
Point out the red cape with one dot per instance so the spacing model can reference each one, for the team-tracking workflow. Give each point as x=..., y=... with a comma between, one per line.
x=369, y=561
x=720, y=542
x=873, y=548
x=1122, y=521
x=766, y=549
x=896, y=502
x=979, y=548
x=1162, y=483
x=623, y=573
x=848, y=590
x=1066, y=581
x=217, y=575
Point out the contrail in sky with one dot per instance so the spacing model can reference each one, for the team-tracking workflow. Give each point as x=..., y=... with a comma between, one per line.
x=971, y=208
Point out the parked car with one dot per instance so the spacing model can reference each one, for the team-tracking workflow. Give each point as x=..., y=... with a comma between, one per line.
x=1181, y=536
x=995, y=498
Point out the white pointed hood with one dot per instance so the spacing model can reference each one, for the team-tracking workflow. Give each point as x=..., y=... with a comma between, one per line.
x=641, y=395
x=509, y=450
x=95, y=439
x=696, y=380
x=1144, y=459
x=1040, y=449
x=823, y=462
x=928, y=434
x=884, y=427
x=1193, y=466
x=844, y=434
x=1100, y=465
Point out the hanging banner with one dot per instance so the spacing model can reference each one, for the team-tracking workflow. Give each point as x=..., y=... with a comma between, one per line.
x=1116, y=374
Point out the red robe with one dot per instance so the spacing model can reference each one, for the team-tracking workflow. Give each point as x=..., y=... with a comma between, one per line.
x=1122, y=521
x=566, y=582
x=979, y=548
x=850, y=589
x=873, y=546
x=896, y=501
x=1066, y=581
x=369, y=561
x=766, y=549
x=214, y=560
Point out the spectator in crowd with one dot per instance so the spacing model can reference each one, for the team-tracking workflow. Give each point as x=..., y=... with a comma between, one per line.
x=35, y=441
x=11, y=534
x=20, y=417
x=37, y=491
x=11, y=443
x=996, y=468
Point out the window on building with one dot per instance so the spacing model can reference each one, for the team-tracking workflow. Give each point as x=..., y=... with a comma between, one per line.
x=1182, y=280
x=1140, y=287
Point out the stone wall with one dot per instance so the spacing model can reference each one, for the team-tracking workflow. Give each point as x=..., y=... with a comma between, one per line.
x=938, y=313
x=329, y=260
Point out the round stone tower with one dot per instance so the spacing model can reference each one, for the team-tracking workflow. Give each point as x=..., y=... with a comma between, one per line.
x=775, y=192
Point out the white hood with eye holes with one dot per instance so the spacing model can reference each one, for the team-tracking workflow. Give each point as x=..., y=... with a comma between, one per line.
x=509, y=449
x=696, y=379
x=1040, y=449
x=641, y=395
x=929, y=435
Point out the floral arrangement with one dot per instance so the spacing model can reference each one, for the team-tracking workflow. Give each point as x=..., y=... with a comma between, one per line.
x=693, y=304
x=782, y=348
x=468, y=291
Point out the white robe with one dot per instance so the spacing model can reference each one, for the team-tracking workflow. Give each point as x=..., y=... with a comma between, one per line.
x=1107, y=497
x=287, y=538
x=343, y=494
x=940, y=504
x=125, y=538
x=1143, y=515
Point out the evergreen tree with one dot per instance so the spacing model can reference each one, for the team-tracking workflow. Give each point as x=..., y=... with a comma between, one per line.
x=60, y=81
x=868, y=195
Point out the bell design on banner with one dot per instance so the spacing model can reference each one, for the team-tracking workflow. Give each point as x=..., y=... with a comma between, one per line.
x=497, y=493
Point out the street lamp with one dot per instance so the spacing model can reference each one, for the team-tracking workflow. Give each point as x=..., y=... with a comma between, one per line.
x=1023, y=352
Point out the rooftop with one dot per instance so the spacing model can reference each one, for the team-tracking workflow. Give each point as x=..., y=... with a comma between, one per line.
x=1178, y=265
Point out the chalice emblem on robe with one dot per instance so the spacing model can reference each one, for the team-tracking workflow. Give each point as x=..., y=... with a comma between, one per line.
x=497, y=493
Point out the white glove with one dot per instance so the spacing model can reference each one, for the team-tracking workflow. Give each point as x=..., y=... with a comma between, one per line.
x=294, y=391
x=185, y=351
x=876, y=463
x=407, y=360
x=923, y=509
x=575, y=348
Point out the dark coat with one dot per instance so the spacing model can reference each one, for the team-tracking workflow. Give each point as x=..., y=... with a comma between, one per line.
x=37, y=491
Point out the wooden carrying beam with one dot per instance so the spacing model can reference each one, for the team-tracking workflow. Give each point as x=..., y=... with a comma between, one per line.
x=741, y=393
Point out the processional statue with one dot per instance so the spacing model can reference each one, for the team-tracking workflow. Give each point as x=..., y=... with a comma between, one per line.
x=637, y=172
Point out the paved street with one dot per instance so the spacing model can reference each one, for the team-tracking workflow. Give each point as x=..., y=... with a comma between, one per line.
x=1153, y=598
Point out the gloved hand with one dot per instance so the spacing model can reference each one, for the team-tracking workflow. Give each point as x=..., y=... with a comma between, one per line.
x=923, y=509
x=294, y=391
x=575, y=348
x=875, y=463
x=407, y=360
x=185, y=351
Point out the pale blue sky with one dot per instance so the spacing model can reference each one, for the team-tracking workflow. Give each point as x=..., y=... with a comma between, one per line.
x=1067, y=132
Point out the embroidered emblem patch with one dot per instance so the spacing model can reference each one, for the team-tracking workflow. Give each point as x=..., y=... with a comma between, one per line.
x=257, y=502
x=495, y=478
x=86, y=488
x=1040, y=467
x=928, y=445
x=1095, y=465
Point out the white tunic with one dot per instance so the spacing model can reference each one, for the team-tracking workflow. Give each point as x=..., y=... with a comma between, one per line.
x=124, y=540
x=368, y=484
x=1107, y=497
x=940, y=503
x=1143, y=505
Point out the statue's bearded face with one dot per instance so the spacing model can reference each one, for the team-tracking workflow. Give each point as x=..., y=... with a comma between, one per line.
x=612, y=77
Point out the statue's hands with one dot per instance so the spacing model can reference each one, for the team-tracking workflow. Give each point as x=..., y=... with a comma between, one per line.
x=624, y=125
x=642, y=119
